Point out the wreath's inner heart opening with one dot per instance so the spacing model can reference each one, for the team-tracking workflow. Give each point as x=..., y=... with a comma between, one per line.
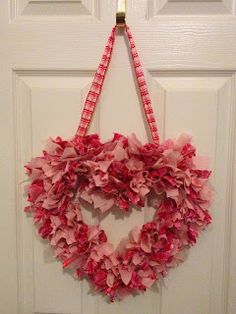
x=117, y=224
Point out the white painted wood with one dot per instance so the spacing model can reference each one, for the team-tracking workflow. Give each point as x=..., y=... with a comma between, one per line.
x=188, y=102
x=54, y=8
x=39, y=262
x=192, y=7
x=49, y=51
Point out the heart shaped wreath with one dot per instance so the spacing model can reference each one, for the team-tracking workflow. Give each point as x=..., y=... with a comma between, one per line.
x=122, y=173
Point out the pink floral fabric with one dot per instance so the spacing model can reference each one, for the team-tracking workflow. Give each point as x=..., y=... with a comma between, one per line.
x=120, y=173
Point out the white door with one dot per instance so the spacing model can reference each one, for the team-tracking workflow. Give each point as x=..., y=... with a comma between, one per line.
x=49, y=50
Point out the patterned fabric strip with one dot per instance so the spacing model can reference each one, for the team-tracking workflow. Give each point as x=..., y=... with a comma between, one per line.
x=96, y=87
x=146, y=100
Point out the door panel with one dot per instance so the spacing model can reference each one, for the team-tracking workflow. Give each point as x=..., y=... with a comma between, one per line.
x=50, y=50
x=200, y=104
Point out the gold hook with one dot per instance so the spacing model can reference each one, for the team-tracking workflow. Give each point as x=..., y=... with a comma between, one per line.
x=121, y=13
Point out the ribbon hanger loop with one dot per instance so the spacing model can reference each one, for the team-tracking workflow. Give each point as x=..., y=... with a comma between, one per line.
x=121, y=13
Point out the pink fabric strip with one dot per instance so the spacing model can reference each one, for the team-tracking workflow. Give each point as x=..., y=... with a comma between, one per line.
x=96, y=87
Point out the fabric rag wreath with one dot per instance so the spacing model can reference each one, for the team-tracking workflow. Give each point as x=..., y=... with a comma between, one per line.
x=122, y=173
